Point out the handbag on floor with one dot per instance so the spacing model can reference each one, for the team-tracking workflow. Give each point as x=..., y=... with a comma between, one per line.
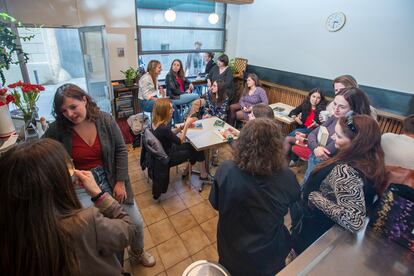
x=394, y=215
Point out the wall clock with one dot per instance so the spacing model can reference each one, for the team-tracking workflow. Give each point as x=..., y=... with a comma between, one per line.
x=335, y=21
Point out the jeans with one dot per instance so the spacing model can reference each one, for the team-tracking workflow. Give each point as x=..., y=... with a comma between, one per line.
x=137, y=242
x=184, y=99
x=147, y=105
x=312, y=163
x=303, y=130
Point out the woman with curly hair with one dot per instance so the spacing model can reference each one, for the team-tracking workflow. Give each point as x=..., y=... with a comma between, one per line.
x=252, y=195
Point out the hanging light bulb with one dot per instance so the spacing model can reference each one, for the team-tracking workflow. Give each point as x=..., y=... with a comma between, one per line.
x=170, y=15
x=213, y=18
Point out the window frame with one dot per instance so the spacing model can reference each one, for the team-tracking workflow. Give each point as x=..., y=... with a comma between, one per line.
x=160, y=52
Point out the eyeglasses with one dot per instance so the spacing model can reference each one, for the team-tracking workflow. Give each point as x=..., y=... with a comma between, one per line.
x=350, y=123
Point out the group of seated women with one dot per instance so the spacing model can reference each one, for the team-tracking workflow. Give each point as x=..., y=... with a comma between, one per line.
x=52, y=228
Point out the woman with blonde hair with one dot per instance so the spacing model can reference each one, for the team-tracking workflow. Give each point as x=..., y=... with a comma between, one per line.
x=149, y=91
x=177, y=150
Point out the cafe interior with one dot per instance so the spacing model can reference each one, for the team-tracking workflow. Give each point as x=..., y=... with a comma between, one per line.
x=214, y=211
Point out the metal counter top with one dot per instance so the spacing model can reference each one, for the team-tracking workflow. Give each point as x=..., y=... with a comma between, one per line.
x=339, y=252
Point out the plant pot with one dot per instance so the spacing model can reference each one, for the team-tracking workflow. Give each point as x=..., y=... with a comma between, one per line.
x=6, y=122
x=129, y=83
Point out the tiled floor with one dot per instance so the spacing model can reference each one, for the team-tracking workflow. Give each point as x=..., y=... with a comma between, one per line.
x=182, y=227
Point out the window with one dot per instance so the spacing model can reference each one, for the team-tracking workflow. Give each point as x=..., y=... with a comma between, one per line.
x=189, y=36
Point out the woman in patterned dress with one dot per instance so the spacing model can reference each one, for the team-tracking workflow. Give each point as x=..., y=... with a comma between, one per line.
x=341, y=190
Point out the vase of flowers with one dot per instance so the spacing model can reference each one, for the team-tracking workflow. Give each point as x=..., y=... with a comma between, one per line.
x=25, y=98
x=6, y=123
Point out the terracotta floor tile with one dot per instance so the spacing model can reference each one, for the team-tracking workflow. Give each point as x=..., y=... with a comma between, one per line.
x=153, y=214
x=203, y=211
x=148, y=242
x=210, y=228
x=141, y=186
x=205, y=193
x=208, y=253
x=145, y=199
x=182, y=186
x=172, y=252
x=150, y=271
x=173, y=205
x=161, y=231
x=194, y=239
x=178, y=269
x=183, y=221
x=161, y=274
x=191, y=198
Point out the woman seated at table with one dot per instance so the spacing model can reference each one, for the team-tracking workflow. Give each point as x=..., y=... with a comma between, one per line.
x=45, y=231
x=222, y=73
x=95, y=142
x=252, y=195
x=348, y=99
x=216, y=102
x=341, y=190
x=177, y=150
x=252, y=94
x=149, y=91
x=179, y=89
x=306, y=116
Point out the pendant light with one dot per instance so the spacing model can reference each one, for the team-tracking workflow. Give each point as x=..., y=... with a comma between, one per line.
x=170, y=15
x=213, y=18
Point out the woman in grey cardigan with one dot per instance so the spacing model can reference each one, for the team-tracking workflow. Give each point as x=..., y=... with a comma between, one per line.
x=94, y=141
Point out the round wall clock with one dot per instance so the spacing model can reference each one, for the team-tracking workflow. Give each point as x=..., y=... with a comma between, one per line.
x=335, y=21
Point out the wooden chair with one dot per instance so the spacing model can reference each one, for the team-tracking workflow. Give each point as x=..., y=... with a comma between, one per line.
x=240, y=64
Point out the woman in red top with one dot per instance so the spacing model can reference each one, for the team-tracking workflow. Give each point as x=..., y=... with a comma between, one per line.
x=179, y=89
x=306, y=115
x=94, y=141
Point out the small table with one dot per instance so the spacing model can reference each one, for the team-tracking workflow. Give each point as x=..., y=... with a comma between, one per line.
x=282, y=111
x=208, y=137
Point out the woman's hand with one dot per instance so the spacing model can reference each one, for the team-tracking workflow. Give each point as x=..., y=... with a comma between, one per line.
x=191, y=87
x=189, y=121
x=322, y=153
x=208, y=83
x=87, y=180
x=205, y=116
x=119, y=191
x=298, y=119
x=162, y=91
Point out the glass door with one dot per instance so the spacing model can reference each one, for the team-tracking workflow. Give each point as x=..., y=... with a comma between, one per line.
x=95, y=60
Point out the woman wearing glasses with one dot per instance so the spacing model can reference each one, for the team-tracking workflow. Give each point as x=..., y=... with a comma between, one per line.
x=348, y=99
x=341, y=190
x=55, y=235
x=94, y=141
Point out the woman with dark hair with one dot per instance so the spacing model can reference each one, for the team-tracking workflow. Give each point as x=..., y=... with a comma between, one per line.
x=252, y=195
x=216, y=102
x=306, y=116
x=208, y=59
x=149, y=91
x=252, y=94
x=348, y=99
x=177, y=150
x=222, y=72
x=341, y=190
x=179, y=89
x=45, y=231
x=94, y=141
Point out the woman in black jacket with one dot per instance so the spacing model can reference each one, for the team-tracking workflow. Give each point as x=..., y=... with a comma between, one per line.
x=179, y=89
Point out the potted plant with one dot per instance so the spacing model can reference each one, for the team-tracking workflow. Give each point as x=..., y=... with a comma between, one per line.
x=6, y=123
x=8, y=45
x=130, y=75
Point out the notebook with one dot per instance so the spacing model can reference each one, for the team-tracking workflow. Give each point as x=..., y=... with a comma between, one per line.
x=323, y=135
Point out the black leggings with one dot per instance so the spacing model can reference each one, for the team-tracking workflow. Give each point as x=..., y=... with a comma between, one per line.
x=184, y=152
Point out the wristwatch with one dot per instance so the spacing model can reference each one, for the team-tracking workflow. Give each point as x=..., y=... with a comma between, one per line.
x=95, y=198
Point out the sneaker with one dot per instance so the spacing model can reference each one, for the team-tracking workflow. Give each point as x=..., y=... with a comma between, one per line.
x=145, y=258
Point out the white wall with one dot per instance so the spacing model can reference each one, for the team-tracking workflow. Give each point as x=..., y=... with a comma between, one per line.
x=376, y=44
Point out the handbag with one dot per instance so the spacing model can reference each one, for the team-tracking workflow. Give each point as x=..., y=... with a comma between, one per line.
x=394, y=215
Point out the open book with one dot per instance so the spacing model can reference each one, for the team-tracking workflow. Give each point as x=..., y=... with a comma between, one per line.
x=323, y=135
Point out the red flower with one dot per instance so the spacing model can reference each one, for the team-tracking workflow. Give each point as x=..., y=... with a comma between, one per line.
x=9, y=99
x=3, y=91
